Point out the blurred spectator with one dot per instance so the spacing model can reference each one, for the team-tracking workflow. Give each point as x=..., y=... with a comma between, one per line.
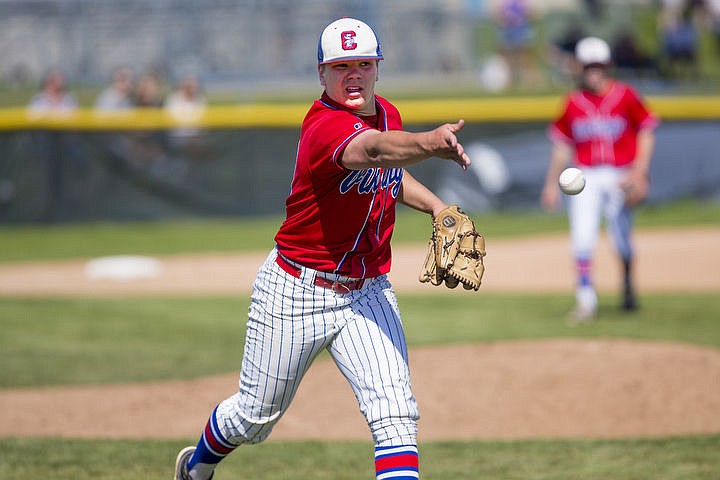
x=117, y=95
x=186, y=104
x=517, y=39
x=629, y=57
x=150, y=149
x=149, y=92
x=55, y=147
x=679, y=38
x=54, y=95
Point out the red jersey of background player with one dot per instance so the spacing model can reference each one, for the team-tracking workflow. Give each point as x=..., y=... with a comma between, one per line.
x=318, y=232
x=603, y=128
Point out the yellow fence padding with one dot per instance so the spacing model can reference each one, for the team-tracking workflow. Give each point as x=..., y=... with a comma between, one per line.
x=290, y=115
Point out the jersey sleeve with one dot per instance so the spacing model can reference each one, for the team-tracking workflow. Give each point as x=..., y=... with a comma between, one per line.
x=638, y=112
x=560, y=130
x=331, y=134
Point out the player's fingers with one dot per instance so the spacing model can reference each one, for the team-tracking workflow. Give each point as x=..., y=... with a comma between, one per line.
x=464, y=161
x=450, y=139
x=632, y=199
x=456, y=127
x=461, y=164
x=461, y=157
x=460, y=149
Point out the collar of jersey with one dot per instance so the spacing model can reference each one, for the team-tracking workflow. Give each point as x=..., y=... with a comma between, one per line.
x=329, y=102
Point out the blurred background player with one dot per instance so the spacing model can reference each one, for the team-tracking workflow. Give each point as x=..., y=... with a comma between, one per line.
x=324, y=287
x=606, y=130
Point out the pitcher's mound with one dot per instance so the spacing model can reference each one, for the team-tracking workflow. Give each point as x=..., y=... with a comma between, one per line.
x=541, y=389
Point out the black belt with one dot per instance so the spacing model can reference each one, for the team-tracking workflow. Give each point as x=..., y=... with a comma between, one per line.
x=336, y=286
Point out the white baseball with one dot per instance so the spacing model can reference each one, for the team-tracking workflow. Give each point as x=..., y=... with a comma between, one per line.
x=572, y=181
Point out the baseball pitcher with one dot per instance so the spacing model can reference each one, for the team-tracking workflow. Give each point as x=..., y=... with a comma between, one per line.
x=324, y=286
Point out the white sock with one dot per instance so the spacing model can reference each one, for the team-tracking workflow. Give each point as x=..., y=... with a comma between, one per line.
x=202, y=471
x=586, y=298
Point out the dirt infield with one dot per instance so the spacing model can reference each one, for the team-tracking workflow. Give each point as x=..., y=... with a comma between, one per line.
x=546, y=389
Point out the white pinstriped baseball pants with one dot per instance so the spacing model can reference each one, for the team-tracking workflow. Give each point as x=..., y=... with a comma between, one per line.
x=290, y=322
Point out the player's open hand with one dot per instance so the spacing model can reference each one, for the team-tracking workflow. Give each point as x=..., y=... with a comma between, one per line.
x=550, y=197
x=448, y=145
x=636, y=186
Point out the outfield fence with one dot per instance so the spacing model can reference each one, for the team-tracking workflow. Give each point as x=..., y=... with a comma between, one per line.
x=238, y=160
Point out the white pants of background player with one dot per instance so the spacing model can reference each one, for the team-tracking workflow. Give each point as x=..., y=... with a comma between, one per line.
x=601, y=198
x=290, y=322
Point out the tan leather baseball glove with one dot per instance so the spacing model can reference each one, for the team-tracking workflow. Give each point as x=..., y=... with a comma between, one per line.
x=455, y=251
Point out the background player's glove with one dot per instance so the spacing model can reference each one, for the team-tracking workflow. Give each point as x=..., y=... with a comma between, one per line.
x=455, y=251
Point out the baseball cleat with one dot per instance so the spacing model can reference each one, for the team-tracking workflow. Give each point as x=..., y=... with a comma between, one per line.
x=586, y=304
x=181, y=464
x=181, y=470
x=581, y=315
x=629, y=302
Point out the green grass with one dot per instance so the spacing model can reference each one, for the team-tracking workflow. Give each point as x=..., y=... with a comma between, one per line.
x=149, y=238
x=81, y=341
x=48, y=242
x=54, y=342
x=90, y=341
x=502, y=317
x=635, y=459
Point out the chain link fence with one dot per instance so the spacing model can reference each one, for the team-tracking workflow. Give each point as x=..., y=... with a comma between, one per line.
x=60, y=176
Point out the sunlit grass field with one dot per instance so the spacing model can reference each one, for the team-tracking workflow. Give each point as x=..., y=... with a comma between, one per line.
x=47, y=242
x=73, y=341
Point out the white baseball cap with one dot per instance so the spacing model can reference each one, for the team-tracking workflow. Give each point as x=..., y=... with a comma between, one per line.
x=348, y=39
x=591, y=50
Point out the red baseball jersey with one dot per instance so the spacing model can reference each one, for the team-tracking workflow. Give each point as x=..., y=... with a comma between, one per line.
x=603, y=128
x=340, y=220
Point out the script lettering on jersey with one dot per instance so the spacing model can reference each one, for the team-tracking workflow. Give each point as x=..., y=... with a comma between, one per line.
x=598, y=128
x=372, y=179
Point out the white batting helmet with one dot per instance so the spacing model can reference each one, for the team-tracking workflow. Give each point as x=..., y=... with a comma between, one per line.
x=592, y=50
x=348, y=39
